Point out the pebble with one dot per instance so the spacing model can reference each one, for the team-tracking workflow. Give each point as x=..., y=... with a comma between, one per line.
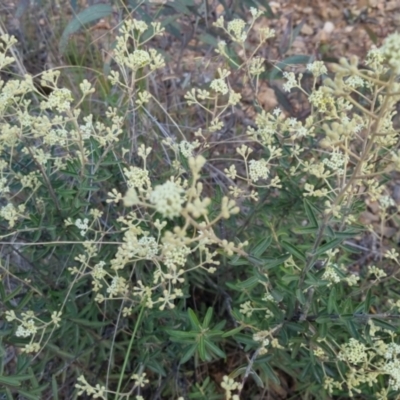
x=329, y=27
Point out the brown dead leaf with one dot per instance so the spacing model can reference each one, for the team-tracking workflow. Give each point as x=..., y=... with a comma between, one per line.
x=266, y=97
x=367, y=218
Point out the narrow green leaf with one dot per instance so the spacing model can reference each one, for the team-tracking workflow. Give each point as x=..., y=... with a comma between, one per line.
x=332, y=301
x=25, y=300
x=208, y=39
x=292, y=60
x=54, y=387
x=181, y=6
x=330, y=232
x=189, y=353
x=367, y=302
x=90, y=14
x=372, y=35
x=193, y=319
x=261, y=246
x=29, y=395
x=248, y=283
x=201, y=348
x=207, y=318
x=305, y=371
x=300, y=296
x=328, y=246
x=2, y=292
x=384, y=324
x=266, y=263
x=214, y=349
x=308, y=230
x=220, y=326
x=232, y=332
x=311, y=213
x=351, y=327
x=10, y=381
x=259, y=382
x=324, y=319
x=285, y=45
x=348, y=233
x=13, y=294
x=181, y=335
x=322, y=330
x=293, y=250
x=90, y=324
x=283, y=99
x=9, y=395
x=269, y=372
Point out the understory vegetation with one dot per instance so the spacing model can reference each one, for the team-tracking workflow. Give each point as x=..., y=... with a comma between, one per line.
x=151, y=249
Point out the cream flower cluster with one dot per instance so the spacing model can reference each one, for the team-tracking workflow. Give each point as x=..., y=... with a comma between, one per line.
x=229, y=385
x=168, y=199
x=354, y=352
x=391, y=51
x=258, y=169
x=29, y=325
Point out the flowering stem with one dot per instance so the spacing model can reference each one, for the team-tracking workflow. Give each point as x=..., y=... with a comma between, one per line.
x=121, y=376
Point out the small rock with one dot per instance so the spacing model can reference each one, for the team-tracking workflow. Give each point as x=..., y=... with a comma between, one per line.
x=275, y=6
x=329, y=27
x=396, y=193
x=392, y=5
x=307, y=30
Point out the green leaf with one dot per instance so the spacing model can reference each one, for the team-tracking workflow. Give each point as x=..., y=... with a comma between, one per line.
x=367, y=301
x=9, y=395
x=29, y=395
x=201, y=348
x=214, y=349
x=269, y=372
x=305, y=371
x=13, y=294
x=2, y=292
x=351, y=327
x=193, y=320
x=292, y=60
x=283, y=99
x=232, y=332
x=348, y=233
x=322, y=330
x=208, y=39
x=324, y=319
x=10, y=381
x=181, y=335
x=288, y=278
x=311, y=213
x=88, y=323
x=189, y=353
x=181, y=6
x=248, y=283
x=332, y=307
x=384, y=324
x=286, y=43
x=90, y=14
x=207, y=318
x=54, y=387
x=300, y=296
x=372, y=35
x=293, y=250
x=260, y=248
x=308, y=230
x=328, y=246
